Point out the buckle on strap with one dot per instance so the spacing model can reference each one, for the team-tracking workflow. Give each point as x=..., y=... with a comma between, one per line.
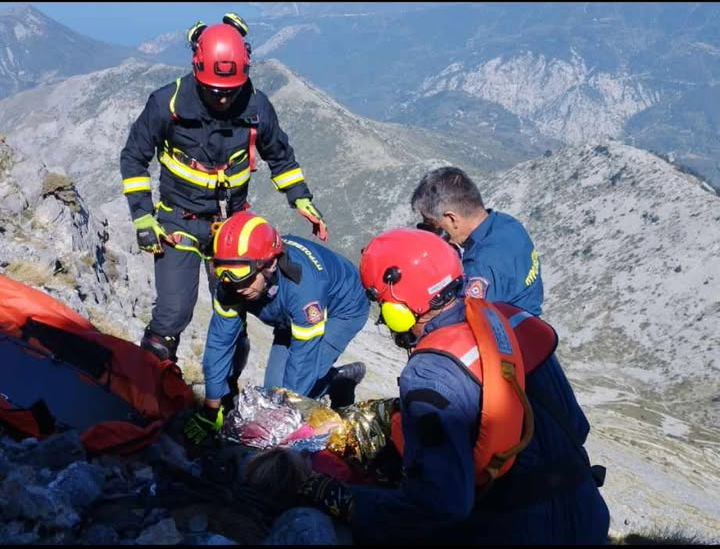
x=195, y=164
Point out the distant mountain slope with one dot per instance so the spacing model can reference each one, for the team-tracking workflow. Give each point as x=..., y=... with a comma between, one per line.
x=35, y=49
x=687, y=129
x=575, y=72
x=631, y=265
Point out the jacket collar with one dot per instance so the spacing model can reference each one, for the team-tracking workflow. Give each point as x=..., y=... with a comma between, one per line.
x=481, y=231
x=453, y=315
x=290, y=269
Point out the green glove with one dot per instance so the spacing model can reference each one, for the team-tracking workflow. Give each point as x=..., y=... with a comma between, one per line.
x=308, y=209
x=150, y=233
x=329, y=494
x=200, y=426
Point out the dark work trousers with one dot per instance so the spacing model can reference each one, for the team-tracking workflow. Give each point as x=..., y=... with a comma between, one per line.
x=177, y=273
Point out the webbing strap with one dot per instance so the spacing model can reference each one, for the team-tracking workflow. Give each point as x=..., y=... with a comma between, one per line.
x=251, y=148
x=186, y=242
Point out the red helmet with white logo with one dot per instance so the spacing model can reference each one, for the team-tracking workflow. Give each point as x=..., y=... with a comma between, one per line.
x=409, y=272
x=244, y=244
x=221, y=58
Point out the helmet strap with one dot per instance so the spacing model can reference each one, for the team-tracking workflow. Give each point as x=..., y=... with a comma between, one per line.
x=405, y=340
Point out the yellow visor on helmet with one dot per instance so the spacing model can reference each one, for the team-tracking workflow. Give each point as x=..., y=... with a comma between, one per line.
x=236, y=273
x=398, y=317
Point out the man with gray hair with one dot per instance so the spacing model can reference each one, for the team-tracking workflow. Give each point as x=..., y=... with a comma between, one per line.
x=498, y=256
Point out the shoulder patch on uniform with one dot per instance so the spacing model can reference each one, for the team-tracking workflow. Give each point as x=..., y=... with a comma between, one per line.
x=477, y=287
x=313, y=312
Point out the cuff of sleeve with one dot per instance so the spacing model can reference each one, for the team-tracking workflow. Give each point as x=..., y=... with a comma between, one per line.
x=140, y=205
x=299, y=190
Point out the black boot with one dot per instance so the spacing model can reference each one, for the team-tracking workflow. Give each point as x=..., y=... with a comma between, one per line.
x=342, y=386
x=163, y=347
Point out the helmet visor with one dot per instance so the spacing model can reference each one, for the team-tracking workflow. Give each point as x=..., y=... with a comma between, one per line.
x=238, y=273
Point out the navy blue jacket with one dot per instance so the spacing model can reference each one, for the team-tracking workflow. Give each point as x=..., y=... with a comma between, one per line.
x=500, y=252
x=328, y=289
x=211, y=139
x=437, y=502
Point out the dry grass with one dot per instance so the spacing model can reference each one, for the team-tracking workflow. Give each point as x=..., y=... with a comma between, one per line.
x=54, y=182
x=192, y=371
x=104, y=323
x=198, y=348
x=659, y=536
x=28, y=272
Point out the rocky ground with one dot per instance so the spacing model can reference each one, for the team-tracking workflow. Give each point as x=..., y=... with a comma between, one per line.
x=53, y=492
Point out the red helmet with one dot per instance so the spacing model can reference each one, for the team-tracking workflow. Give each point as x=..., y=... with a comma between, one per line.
x=409, y=271
x=244, y=244
x=221, y=58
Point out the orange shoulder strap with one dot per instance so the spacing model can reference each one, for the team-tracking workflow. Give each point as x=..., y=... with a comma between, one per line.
x=251, y=149
x=506, y=426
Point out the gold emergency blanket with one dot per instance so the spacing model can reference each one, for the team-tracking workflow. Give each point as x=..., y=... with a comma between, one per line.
x=357, y=432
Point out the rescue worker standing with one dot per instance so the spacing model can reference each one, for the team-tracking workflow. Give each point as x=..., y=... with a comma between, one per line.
x=206, y=127
x=491, y=434
x=311, y=295
x=498, y=256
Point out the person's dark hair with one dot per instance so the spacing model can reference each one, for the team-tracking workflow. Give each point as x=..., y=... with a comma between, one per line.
x=278, y=474
x=444, y=189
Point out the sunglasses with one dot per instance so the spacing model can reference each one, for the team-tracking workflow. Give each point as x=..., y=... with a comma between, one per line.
x=222, y=92
x=442, y=233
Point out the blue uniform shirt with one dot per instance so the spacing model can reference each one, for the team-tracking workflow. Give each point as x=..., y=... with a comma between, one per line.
x=329, y=289
x=500, y=252
x=436, y=500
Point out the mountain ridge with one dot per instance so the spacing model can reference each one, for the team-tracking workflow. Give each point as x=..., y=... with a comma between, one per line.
x=39, y=50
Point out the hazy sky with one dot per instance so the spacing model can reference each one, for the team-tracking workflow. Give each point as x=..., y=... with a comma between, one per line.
x=129, y=23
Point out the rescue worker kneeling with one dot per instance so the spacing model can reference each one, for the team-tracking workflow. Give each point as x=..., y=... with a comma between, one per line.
x=490, y=432
x=311, y=295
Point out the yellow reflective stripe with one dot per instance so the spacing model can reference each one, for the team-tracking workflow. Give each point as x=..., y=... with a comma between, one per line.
x=288, y=178
x=174, y=96
x=187, y=174
x=223, y=312
x=134, y=184
x=203, y=179
x=244, y=238
x=300, y=332
x=238, y=179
